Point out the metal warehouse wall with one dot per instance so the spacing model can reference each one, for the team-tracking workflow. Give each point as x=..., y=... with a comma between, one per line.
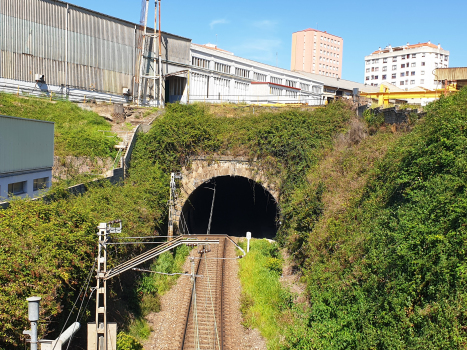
x=25, y=144
x=39, y=37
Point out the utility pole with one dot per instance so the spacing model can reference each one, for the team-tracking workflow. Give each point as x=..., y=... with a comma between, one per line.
x=101, y=287
x=212, y=207
x=160, y=56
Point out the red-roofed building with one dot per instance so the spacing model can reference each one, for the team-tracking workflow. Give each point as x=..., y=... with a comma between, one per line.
x=406, y=66
x=314, y=51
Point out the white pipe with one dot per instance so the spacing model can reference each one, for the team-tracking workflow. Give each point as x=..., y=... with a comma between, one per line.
x=69, y=332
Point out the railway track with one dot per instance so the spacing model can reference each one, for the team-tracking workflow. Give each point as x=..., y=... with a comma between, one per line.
x=207, y=311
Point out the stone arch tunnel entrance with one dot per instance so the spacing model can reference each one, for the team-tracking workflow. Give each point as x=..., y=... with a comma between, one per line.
x=240, y=205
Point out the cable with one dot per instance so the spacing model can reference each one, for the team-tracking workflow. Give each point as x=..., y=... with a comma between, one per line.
x=81, y=306
x=77, y=298
x=164, y=273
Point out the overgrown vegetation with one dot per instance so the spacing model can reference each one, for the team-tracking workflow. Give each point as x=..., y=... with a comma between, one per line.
x=265, y=304
x=388, y=271
x=377, y=223
x=285, y=143
x=77, y=132
x=47, y=249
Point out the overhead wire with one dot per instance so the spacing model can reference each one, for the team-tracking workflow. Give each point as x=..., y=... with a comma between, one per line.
x=88, y=278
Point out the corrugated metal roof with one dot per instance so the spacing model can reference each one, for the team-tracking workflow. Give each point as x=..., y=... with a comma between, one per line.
x=340, y=83
x=451, y=74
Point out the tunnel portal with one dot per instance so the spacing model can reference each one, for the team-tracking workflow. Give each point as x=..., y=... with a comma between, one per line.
x=240, y=205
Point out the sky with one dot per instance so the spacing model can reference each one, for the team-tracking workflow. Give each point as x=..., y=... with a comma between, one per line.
x=262, y=30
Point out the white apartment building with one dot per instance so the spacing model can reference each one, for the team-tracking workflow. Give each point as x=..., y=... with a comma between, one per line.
x=407, y=66
x=218, y=76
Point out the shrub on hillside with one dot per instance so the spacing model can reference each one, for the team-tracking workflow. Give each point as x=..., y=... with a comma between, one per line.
x=394, y=274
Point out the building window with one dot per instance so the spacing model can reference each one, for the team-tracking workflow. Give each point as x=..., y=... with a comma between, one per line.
x=376, y=77
x=40, y=184
x=368, y=70
x=414, y=55
x=445, y=58
x=402, y=83
x=423, y=63
x=412, y=82
x=372, y=77
x=16, y=188
x=393, y=76
x=275, y=91
x=403, y=57
x=422, y=72
x=423, y=54
x=394, y=67
x=305, y=87
x=384, y=77
x=436, y=55
x=367, y=77
x=402, y=74
x=413, y=64
x=422, y=81
x=403, y=65
x=223, y=68
x=200, y=62
x=385, y=68
x=244, y=73
x=275, y=80
x=408, y=56
x=412, y=73
x=385, y=60
x=260, y=77
x=290, y=83
x=372, y=69
x=394, y=59
x=376, y=69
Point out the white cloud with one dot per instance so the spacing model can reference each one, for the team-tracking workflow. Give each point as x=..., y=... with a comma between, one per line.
x=218, y=21
x=265, y=24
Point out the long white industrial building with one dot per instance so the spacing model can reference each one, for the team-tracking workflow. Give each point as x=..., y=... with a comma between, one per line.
x=50, y=47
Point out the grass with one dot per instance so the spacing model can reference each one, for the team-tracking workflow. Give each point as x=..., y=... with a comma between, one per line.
x=263, y=300
x=77, y=132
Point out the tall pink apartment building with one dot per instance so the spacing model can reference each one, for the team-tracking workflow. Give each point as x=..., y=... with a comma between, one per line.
x=318, y=52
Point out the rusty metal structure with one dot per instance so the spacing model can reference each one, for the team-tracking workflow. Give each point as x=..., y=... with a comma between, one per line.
x=457, y=76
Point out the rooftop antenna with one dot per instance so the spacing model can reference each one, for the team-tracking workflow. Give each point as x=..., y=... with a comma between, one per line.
x=216, y=40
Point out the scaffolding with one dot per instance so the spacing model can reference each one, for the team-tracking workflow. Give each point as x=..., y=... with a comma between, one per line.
x=143, y=78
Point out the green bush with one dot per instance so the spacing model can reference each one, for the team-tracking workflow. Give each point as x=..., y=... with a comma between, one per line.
x=127, y=342
x=391, y=273
x=373, y=118
x=263, y=300
x=274, y=264
x=77, y=132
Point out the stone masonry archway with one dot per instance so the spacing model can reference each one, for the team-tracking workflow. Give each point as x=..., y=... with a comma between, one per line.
x=202, y=170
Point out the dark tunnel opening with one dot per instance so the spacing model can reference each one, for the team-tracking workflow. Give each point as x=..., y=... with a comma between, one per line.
x=240, y=205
